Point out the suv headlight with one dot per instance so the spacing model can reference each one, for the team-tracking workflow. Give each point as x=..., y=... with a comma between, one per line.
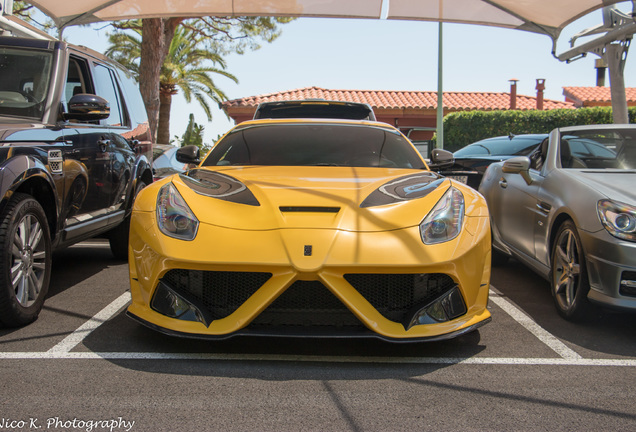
x=445, y=221
x=618, y=219
x=174, y=217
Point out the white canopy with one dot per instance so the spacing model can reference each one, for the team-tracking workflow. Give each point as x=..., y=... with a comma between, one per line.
x=541, y=16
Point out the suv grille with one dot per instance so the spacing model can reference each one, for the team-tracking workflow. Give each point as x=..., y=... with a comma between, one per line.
x=220, y=292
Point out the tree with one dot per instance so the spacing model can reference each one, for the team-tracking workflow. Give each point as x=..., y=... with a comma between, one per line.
x=221, y=35
x=25, y=11
x=185, y=67
x=193, y=134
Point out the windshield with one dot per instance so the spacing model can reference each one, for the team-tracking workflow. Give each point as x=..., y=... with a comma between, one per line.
x=501, y=146
x=164, y=156
x=599, y=149
x=308, y=144
x=24, y=81
x=351, y=111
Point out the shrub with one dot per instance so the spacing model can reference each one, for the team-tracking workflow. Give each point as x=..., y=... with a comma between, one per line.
x=463, y=128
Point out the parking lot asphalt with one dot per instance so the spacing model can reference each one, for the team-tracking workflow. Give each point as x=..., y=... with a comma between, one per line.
x=84, y=360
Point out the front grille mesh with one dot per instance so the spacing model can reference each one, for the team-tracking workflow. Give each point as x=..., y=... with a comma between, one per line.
x=398, y=296
x=309, y=303
x=306, y=304
x=220, y=292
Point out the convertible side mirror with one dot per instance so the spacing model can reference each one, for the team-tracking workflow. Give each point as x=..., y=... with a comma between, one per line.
x=190, y=154
x=518, y=165
x=441, y=158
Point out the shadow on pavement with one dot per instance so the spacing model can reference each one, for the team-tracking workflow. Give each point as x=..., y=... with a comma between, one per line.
x=606, y=331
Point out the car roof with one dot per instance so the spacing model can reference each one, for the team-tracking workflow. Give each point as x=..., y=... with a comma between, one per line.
x=315, y=108
x=513, y=137
x=298, y=121
x=597, y=127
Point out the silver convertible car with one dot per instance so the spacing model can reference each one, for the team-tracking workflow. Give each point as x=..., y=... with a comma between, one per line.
x=568, y=211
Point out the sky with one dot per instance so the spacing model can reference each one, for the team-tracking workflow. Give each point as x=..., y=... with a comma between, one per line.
x=366, y=54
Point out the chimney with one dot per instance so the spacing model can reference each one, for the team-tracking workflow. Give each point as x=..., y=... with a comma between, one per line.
x=600, y=66
x=540, y=87
x=513, y=93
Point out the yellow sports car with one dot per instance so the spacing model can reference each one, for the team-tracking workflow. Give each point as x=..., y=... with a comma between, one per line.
x=310, y=227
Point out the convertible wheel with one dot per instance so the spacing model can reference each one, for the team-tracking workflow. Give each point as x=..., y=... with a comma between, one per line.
x=570, y=283
x=118, y=236
x=25, y=260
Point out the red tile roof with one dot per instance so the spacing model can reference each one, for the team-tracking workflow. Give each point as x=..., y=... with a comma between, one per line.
x=387, y=99
x=595, y=96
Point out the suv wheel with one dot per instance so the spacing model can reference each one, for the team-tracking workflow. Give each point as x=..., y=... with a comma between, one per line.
x=25, y=260
x=118, y=236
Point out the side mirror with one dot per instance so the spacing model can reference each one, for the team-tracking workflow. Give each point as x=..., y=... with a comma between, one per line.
x=87, y=107
x=441, y=158
x=518, y=165
x=190, y=154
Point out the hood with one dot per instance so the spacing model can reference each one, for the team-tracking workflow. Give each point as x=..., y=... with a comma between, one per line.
x=18, y=130
x=616, y=185
x=353, y=199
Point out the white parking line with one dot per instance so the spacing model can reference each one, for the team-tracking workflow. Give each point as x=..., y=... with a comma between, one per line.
x=529, y=324
x=568, y=357
x=318, y=359
x=75, y=338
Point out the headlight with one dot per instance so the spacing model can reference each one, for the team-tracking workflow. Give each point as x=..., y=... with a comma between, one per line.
x=618, y=219
x=174, y=217
x=444, y=222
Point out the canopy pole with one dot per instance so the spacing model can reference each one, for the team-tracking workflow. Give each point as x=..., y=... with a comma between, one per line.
x=612, y=47
x=6, y=7
x=615, y=56
x=440, y=92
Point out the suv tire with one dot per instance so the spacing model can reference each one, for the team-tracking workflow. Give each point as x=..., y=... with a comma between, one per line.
x=25, y=260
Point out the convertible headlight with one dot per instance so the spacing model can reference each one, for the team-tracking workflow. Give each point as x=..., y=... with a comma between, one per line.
x=174, y=217
x=445, y=221
x=618, y=219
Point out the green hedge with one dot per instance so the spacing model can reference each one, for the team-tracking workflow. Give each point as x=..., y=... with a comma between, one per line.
x=463, y=128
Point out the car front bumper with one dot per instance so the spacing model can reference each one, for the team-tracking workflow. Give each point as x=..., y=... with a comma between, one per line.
x=611, y=266
x=351, y=285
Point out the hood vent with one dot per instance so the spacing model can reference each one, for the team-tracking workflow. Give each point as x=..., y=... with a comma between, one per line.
x=304, y=209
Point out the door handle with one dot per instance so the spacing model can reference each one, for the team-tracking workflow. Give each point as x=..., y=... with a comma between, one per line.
x=503, y=183
x=103, y=144
x=544, y=207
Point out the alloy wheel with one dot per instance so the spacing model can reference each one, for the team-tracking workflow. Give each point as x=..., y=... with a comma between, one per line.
x=567, y=270
x=28, y=256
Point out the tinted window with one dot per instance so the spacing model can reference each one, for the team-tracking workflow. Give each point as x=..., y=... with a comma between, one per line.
x=77, y=79
x=315, y=110
x=504, y=146
x=165, y=157
x=602, y=148
x=109, y=90
x=24, y=81
x=315, y=144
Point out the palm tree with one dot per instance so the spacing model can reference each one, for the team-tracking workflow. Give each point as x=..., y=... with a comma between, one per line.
x=187, y=67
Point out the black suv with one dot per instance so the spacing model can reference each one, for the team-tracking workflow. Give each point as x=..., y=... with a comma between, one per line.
x=74, y=151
